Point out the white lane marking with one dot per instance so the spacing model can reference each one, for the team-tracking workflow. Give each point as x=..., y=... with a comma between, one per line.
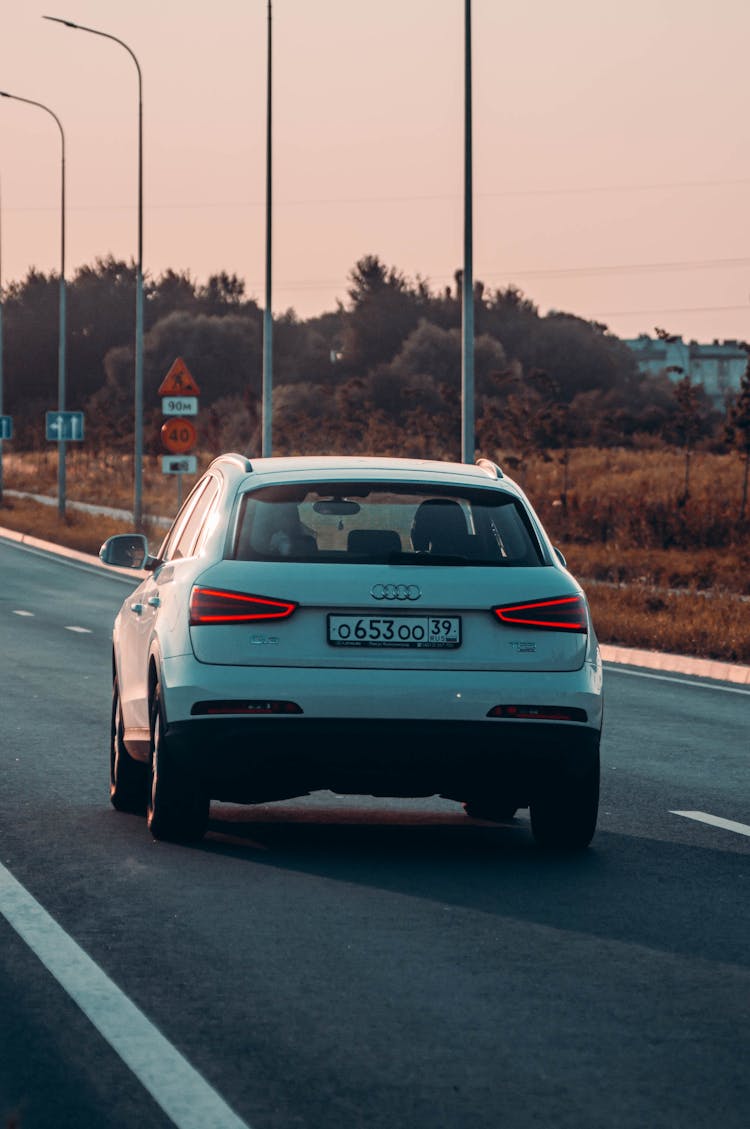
x=715, y=821
x=184, y=1096
x=20, y=611
x=679, y=681
x=79, y=630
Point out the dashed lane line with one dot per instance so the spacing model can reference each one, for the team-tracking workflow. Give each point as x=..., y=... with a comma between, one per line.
x=68, y=627
x=181, y=1092
x=715, y=821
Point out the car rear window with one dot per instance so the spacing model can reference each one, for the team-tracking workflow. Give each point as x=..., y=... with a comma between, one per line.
x=371, y=523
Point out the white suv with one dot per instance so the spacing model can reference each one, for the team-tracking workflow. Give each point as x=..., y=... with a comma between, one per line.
x=389, y=627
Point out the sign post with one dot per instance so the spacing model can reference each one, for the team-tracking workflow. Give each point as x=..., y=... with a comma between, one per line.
x=179, y=394
x=6, y=432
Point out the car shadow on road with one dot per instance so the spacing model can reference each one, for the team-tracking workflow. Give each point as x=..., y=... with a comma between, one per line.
x=628, y=888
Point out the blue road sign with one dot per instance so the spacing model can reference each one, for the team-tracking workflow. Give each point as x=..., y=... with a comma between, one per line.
x=6, y=427
x=64, y=426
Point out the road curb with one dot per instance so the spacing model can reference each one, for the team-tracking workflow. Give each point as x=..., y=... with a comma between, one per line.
x=676, y=664
x=63, y=551
x=621, y=656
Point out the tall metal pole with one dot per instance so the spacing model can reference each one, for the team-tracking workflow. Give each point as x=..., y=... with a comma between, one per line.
x=267, y=400
x=138, y=391
x=61, y=360
x=467, y=288
x=1, y=339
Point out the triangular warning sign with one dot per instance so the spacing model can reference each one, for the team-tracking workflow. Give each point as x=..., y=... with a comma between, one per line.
x=178, y=381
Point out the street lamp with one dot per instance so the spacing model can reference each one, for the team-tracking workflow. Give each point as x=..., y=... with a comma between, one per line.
x=61, y=346
x=138, y=397
x=1, y=341
x=467, y=282
x=267, y=393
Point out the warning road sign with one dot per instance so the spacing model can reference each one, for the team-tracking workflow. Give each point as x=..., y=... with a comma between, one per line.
x=178, y=436
x=179, y=381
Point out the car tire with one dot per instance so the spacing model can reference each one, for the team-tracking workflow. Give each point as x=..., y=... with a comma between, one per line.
x=177, y=806
x=486, y=809
x=128, y=778
x=564, y=811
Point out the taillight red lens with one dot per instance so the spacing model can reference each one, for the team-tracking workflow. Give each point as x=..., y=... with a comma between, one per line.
x=562, y=613
x=214, y=605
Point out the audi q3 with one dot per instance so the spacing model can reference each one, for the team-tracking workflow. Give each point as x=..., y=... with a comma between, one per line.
x=386, y=627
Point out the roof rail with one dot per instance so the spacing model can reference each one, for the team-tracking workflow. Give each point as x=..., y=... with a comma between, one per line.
x=241, y=460
x=490, y=468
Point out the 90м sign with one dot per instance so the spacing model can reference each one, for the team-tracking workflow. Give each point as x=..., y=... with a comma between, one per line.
x=179, y=405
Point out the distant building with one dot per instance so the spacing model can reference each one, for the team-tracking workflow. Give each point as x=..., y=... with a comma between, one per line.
x=718, y=367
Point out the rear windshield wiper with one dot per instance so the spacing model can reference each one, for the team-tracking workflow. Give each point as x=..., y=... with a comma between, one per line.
x=444, y=559
x=428, y=559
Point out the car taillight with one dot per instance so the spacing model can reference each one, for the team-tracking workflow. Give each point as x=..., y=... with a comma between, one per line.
x=214, y=605
x=563, y=613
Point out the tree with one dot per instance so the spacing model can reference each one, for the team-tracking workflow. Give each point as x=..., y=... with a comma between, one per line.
x=31, y=337
x=173, y=290
x=527, y=411
x=223, y=293
x=384, y=310
x=738, y=432
x=101, y=315
x=687, y=424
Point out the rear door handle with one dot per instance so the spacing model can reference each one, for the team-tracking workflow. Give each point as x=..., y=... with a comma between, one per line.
x=137, y=608
x=153, y=602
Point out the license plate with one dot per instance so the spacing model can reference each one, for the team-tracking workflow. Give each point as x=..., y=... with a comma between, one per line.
x=419, y=631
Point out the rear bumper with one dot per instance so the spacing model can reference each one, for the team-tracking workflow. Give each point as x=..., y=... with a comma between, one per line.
x=255, y=759
x=375, y=732
x=388, y=695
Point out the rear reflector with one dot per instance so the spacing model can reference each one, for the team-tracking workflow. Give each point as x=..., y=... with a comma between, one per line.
x=213, y=605
x=538, y=713
x=259, y=706
x=563, y=613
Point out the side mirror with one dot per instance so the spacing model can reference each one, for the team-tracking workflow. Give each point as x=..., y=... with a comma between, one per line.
x=126, y=550
x=560, y=556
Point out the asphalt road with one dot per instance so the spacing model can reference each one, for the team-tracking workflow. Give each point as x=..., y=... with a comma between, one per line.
x=330, y=964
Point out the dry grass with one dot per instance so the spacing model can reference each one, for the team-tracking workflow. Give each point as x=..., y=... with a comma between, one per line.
x=661, y=573
x=700, y=570
x=105, y=480
x=715, y=626
x=82, y=531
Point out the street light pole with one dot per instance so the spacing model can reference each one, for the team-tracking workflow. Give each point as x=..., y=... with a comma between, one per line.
x=138, y=394
x=467, y=282
x=1, y=340
x=267, y=393
x=61, y=448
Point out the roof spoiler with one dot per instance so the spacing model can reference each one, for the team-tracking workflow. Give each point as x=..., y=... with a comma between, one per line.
x=490, y=468
x=241, y=460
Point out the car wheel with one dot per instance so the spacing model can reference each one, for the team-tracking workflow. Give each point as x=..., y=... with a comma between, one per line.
x=128, y=778
x=564, y=812
x=177, y=805
x=498, y=811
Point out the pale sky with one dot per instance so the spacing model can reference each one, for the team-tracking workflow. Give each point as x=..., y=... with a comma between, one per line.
x=611, y=164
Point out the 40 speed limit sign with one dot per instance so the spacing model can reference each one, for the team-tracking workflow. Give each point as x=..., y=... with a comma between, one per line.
x=179, y=436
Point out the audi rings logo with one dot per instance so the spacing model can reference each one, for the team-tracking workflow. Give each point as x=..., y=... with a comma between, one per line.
x=395, y=592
